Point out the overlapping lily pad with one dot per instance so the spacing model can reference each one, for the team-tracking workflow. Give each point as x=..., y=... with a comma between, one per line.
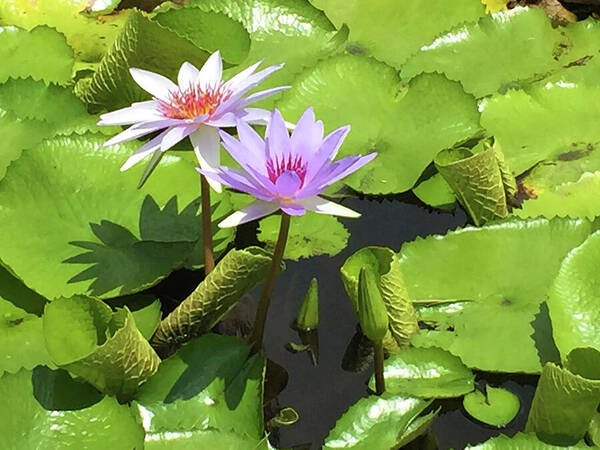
x=495, y=322
x=281, y=31
x=376, y=422
x=90, y=37
x=209, y=386
x=406, y=125
x=27, y=424
x=41, y=53
x=105, y=348
x=309, y=235
x=86, y=201
x=573, y=299
x=427, y=373
x=542, y=121
x=402, y=27
x=521, y=441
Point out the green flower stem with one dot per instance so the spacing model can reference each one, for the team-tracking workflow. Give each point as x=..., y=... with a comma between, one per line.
x=207, y=242
x=265, y=296
x=379, y=380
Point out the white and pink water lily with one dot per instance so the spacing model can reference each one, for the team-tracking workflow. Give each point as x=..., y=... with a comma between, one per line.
x=197, y=106
x=286, y=172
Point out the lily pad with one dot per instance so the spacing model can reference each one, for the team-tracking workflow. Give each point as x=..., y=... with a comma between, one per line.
x=496, y=407
x=492, y=52
x=427, y=373
x=90, y=37
x=384, y=264
x=434, y=114
x=563, y=405
x=495, y=322
x=402, y=28
x=375, y=422
x=82, y=207
x=434, y=191
x=573, y=299
x=21, y=339
x=208, y=30
x=233, y=277
x=542, y=121
x=27, y=424
x=41, y=53
x=208, y=385
x=521, y=441
x=85, y=337
x=309, y=235
x=281, y=31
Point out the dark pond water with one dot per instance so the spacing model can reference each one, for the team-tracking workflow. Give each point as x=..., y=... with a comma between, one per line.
x=320, y=394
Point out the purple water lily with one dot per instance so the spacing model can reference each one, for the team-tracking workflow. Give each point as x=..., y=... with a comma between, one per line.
x=286, y=172
x=196, y=107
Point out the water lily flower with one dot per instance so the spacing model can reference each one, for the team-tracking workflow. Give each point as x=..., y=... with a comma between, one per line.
x=286, y=172
x=197, y=106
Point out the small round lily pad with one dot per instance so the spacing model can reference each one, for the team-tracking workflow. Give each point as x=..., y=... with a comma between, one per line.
x=496, y=407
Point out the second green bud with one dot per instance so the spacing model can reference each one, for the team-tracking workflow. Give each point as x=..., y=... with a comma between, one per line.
x=372, y=313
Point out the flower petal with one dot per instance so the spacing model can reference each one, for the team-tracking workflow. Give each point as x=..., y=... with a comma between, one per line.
x=247, y=157
x=322, y=206
x=252, y=141
x=137, y=112
x=253, y=211
x=288, y=183
x=260, y=95
x=155, y=84
x=211, y=72
x=149, y=147
x=175, y=135
x=277, y=138
x=293, y=209
x=188, y=74
x=237, y=180
x=205, y=140
x=241, y=76
x=139, y=130
x=255, y=116
x=327, y=150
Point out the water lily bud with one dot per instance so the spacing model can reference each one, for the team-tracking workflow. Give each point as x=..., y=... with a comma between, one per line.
x=308, y=317
x=372, y=313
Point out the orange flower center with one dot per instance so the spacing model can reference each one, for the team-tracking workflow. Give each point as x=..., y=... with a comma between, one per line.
x=193, y=102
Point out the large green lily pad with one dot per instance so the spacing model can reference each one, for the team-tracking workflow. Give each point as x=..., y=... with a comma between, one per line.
x=542, y=121
x=573, y=299
x=493, y=52
x=498, y=277
x=209, y=385
x=402, y=26
x=426, y=372
x=87, y=203
x=521, y=441
x=406, y=125
x=25, y=423
x=41, y=53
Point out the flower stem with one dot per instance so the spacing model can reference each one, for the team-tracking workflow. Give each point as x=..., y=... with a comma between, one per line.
x=265, y=296
x=207, y=242
x=379, y=380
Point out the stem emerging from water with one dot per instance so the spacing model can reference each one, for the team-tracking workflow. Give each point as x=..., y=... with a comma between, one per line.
x=207, y=242
x=379, y=380
x=265, y=296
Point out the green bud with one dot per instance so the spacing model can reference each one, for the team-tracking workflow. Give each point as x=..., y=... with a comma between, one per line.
x=308, y=317
x=372, y=313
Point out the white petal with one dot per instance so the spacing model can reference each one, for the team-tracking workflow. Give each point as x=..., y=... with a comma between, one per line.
x=155, y=84
x=256, y=116
x=188, y=74
x=260, y=95
x=138, y=112
x=322, y=206
x=239, y=77
x=143, y=151
x=210, y=74
x=138, y=130
x=206, y=144
x=175, y=135
x=255, y=210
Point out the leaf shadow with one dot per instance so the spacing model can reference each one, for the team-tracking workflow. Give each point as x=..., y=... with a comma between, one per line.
x=542, y=336
x=121, y=263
